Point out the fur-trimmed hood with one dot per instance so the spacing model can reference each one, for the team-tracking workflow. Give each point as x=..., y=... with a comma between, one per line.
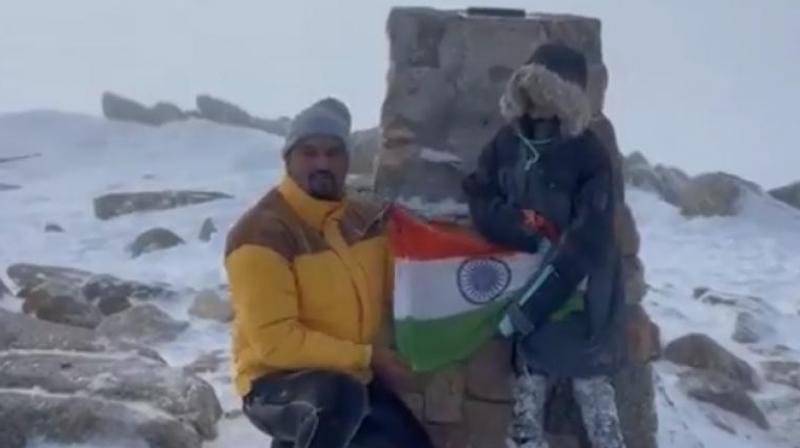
x=536, y=90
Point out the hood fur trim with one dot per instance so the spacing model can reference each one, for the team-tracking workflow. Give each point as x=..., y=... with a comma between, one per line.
x=535, y=90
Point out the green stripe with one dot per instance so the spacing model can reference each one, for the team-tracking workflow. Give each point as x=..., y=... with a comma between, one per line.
x=431, y=344
x=434, y=343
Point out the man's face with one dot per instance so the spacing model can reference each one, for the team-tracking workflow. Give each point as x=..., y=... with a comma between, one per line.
x=319, y=166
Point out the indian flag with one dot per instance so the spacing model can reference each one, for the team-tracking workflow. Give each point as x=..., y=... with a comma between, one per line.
x=451, y=289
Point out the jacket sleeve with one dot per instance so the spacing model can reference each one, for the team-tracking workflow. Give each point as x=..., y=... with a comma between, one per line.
x=586, y=243
x=493, y=215
x=265, y=303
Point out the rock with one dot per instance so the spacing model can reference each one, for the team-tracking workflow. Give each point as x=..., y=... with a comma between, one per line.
x=636, y=404
x=63, y=309
x=667, y=182
x=715, y=194
x=366, y=145
x=4, y=291
x=53, y=228
x=207, y=230
x=633, y=275
x=783, y=372
x=444, y=396
x=789, y=194
x=113, y=304
x=116, y=107
x=128, y=379
x=225, y=112
x=752, y=304
x=20, y=332
x=717, y=389
x=8, y=187
x=701, y=352
x=154, y=240
x=750, y=328
x=100, y=287
x=209, y=305
x=55, y=279
x=26, y=416
x=117, y=204
x=207, y=362
x=643, y=336
x=142, y=324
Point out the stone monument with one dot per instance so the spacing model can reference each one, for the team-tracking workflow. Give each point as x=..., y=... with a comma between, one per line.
x=447, y=72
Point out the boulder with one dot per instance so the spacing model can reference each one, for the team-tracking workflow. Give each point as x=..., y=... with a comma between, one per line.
x=143, y=324
x=701, y=352
x=750, y=328
x=19, y=332
x=53, y=228
x=207, y=362
x=207, y=230
x=667, y=182
x=119, y=108
x=719, y=390
x=715, y=194
x=4, y=291
x=154, y=240
x=57, y=280
x=789, y=194
x=783, y=372
x=113, y=304
x=117, y=204
x=225, y=112
x=72, y=385
x=210, y=306
x=62, y=309
x=8, y=187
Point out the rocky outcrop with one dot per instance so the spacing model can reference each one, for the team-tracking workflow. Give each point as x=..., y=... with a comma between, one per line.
x=720, y=391
x=70, y=385
x=701, y=352
x=117, y=204
x=715, y=194
x=62, y=309
x=783, y=372
x=789, y=194
x=77, y=283
x=225, y=112
x=142, y=324
x=154, y=240
x=117, y=107
x=666, y=182
x=751, y=328
x=441, y=107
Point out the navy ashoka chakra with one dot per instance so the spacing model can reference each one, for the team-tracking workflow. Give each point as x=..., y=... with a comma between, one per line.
x=482, y=280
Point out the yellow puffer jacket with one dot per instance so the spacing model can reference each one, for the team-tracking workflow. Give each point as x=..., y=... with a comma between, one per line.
x=309, y=281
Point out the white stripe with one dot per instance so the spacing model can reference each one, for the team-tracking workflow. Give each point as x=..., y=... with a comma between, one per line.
x=429, y=289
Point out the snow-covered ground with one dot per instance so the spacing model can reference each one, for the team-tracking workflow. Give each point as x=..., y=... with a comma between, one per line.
x=81, y=157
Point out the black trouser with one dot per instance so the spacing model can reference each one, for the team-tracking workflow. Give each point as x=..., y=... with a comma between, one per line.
x=322, y=409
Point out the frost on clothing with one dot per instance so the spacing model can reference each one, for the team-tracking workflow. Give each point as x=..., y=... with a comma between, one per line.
x=595, y=397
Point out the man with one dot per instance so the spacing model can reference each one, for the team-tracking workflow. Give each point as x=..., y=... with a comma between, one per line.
x=544, y=183
x=310, y=274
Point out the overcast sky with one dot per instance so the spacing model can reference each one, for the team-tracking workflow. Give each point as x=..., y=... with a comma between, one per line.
x=705, y=85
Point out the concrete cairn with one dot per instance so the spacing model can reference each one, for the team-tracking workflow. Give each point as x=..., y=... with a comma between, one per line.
x=447, y=72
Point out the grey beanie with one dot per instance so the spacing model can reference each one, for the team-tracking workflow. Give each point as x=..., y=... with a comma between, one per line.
x=328, y=117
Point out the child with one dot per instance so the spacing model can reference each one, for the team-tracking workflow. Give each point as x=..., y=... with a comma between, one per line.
x=544, y=184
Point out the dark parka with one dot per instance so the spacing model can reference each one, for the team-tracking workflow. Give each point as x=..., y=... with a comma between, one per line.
x=567, y=180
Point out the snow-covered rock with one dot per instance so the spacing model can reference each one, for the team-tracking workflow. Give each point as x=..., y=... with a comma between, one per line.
x=142, y=324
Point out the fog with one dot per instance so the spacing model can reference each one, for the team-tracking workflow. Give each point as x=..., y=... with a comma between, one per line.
x=705, y=85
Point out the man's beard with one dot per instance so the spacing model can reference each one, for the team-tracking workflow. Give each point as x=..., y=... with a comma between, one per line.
x=322, y=185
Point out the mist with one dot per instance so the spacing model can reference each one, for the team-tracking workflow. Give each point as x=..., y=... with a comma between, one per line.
x=705, y=86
